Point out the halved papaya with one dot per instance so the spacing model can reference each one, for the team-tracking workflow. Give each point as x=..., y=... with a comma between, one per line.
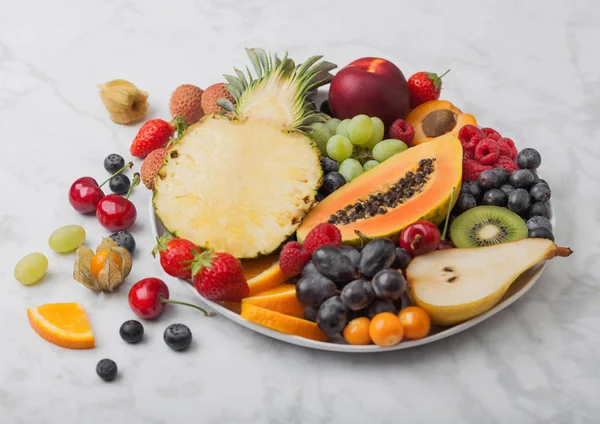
x=436, y=118
x=414, y=185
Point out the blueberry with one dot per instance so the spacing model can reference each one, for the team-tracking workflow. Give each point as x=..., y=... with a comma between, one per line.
x=529, y=159
x=324, y=108
x=114, y=162
x=402, y=260
x=507, y=189
x=352, y=254
x=540, y=192
x=541, y=232
x=464, y=187
x=503, y=175
x=541, y=181
x=331, y=182
x=178, y=336
x=357, y=294
x=539, y=209
x=519, y=201
x=329, y=165
x=319, y=197
x=521, y=178
x=475, y=190
x=310, y=313
x=381, y=305
x=312, y=290
x=389, y=284
x=494, y=197
x=124, y=239
x=377, y=255
x=106, y=369
x=332, y=316
x=465, y=202
x=539, y=221
x=489, y=179
x=132, y=331
x=119, y=184
x=331, y=262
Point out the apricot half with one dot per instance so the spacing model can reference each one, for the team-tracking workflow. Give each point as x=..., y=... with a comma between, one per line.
x=436, y=118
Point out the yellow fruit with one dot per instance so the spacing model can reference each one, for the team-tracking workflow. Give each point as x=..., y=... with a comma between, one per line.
x=281, y=299
x=63, y=324
x=266, y=280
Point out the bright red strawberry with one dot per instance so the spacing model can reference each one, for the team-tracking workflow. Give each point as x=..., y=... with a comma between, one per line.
x=322, y=235
x=152, y=135
x=219, y=276
x=424, y=86
x=292, y=258
x=176, y=255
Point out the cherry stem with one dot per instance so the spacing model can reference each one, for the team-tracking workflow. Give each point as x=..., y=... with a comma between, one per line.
x=416, y=241
x=128, y=165
x=448, y=214
x=444, y=73
x=206, y=313
x=134, y=183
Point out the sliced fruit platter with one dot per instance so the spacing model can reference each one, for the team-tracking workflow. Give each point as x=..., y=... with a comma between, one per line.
x=355, y=212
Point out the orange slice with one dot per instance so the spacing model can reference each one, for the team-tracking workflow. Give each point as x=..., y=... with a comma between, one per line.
x=253, y=267
x=281, y=299
x=268, y=279
x=63, y=324
x=282, y=323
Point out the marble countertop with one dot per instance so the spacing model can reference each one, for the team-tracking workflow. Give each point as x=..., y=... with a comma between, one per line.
x=530, y=71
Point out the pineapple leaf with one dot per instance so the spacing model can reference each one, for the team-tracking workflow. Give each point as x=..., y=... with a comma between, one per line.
x=255, y=62
x=233, y=81
x=302, y=68
x=241, y=77
x=233, y=90
x=225, y=104
x=264, y=61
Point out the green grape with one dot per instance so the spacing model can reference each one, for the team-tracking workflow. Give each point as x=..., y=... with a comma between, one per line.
x=387, y=148
x=321, y=134
x=342, y=128
x=31, y=268
x=339, y=148
x=370, y=164
x=360, y=129
x=376, y=134
x=350, y=169
x=67, y=238
x=332, y=124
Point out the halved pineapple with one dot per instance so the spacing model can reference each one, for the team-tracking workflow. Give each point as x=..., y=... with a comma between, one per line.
x=237, y=186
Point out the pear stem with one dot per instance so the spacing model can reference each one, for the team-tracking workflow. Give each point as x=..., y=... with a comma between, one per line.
x=176, y=302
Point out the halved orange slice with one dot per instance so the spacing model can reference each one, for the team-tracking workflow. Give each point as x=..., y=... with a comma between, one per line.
x=268, y=279
x=281, y=299
x=63, y=324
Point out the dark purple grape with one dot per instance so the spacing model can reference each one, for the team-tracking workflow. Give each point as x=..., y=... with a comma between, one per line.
x=331, y=182
x=310, y=313
x=314, y=289
x=332, y=316
x=402, y=260
x=352, y=254
x=389, y=284
x=381, y=305
x=377, y=255
x=529, y=159
x=331, y=262
x=329, y=165
x=357, y=294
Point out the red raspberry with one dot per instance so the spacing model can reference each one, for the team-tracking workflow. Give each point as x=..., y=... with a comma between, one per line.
x=293, y=258
x=468, y=154
x=322, y=235
x=402, y=130
x=507, y=148
x=491, y=133
x=469, y=136
x=472, y=169
x=487, y=151
x=506, y=163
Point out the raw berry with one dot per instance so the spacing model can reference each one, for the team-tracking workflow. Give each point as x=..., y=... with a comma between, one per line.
x=489, y=179
x=310, y=313
x=113, y=162
x=332, y=316
x=389, y=284
x=331, y=262
x=507, y=163
x=132, y=331
x=119, y=184
x=402, y=130
x=424, y=86
x=331, y=182
x=329, y=165
x=519, y=201
x=292, y=259
x=357, y=294
x=541, y=232
x=324, y=108
x=494, y=197
x=487, y=151
x=313, y=289
x=521, y=178
x=503, y=175
x=507, y=189
x=465, y=202
x=178, y=336
x=470, y=136
x=322, y=235
x=472, y=169
x=508, y=149
x=464, y=187
x=529, y=159
x=176, y=255
x=381, y=305
x=402, y=259
x=491, y=133
x=124, y=239
x=377, y=255
x=352, y=254
x=106, y=369
x=540, y=192
x=539, y=221
x=475, y=191
x=539, y=209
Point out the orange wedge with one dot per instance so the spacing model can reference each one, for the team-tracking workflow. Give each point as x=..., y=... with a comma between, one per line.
x=253, y=267
x=281, y=299
x=282, y=323
x=268, y=279
x=63, y=324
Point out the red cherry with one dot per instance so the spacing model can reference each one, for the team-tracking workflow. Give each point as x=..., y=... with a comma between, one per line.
x=116, y=213
x=420, y=238
x=84, y=194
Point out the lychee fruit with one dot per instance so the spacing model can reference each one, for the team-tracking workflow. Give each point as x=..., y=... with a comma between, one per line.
x=186, y=102
x=211, y=95
x=151, y=166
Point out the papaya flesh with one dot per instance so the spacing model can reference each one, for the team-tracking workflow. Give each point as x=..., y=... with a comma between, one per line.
x=414, y=185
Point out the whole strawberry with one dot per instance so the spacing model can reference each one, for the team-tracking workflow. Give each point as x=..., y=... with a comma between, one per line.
x=176, y=255
x=292, y=258
x=153, y=135
x=424, y=86
x=219, y=276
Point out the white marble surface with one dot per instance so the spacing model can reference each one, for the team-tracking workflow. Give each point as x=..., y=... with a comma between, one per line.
x=529, y=69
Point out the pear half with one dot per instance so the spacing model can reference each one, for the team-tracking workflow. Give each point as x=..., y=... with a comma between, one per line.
x=455, y=285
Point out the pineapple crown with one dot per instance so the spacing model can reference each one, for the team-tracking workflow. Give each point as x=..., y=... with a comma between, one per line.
x=280, y=89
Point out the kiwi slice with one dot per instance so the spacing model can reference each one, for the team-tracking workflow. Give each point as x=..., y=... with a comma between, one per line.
x=485, y=226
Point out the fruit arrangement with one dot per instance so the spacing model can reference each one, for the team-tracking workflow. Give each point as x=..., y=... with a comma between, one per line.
x=380, y=216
